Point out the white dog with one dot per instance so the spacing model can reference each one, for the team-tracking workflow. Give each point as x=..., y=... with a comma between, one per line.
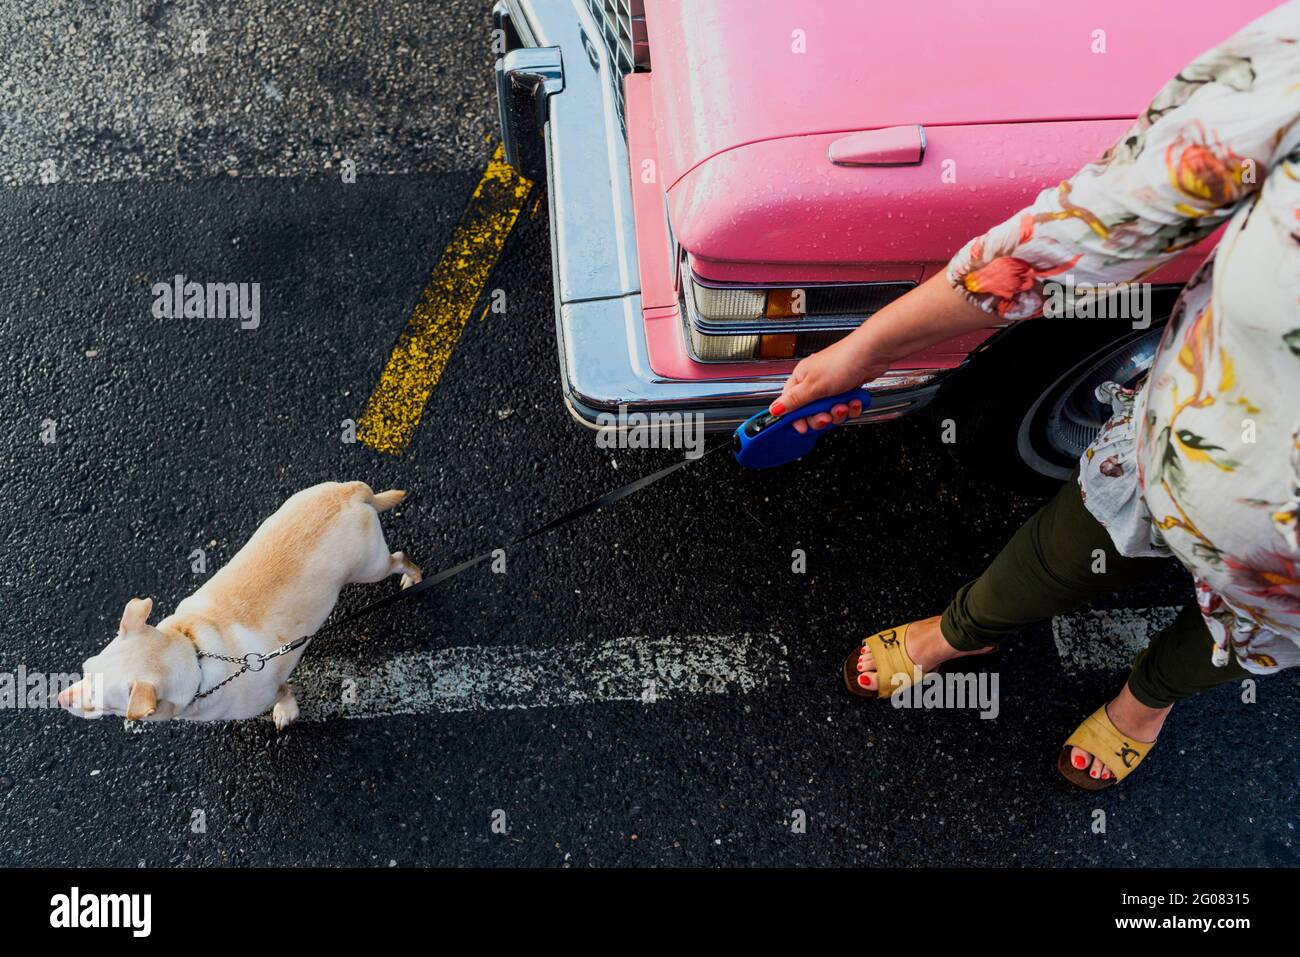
x=280, y=586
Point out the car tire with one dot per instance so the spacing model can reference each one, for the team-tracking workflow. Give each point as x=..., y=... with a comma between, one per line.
x=1024, y=408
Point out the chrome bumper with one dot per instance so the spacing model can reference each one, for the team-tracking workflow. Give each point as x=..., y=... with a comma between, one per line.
x=557, y=87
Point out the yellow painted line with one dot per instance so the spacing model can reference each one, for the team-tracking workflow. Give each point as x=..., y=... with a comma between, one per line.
x=390, y=417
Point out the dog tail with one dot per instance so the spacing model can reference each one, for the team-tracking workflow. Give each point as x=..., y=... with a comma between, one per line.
x=383, y=501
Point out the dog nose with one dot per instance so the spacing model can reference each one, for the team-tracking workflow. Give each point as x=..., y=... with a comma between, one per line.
x=74, y=698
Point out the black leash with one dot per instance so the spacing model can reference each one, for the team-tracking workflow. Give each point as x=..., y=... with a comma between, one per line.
x=256, y=662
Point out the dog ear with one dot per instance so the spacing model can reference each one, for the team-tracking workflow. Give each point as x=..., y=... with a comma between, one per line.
x=143, y=701
x=136, y=614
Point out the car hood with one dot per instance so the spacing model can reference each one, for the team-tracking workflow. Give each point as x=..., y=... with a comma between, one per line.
x=729, y=72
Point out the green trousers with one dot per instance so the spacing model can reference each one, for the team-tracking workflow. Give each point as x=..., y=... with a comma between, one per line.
x=1051, y=566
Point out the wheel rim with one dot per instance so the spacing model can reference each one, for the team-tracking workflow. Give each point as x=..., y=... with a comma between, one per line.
x=1065, y=419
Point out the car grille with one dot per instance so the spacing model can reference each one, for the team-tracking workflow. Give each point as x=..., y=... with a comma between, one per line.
x=622, y=30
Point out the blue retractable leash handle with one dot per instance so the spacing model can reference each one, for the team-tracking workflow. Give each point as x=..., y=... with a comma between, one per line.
x=766, y=440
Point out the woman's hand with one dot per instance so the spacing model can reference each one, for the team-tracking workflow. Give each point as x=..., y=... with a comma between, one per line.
x=839, y=367
x=928, y=314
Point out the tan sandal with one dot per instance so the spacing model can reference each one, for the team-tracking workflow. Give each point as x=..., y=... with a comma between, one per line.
x=889, y=649
x=1100, y=738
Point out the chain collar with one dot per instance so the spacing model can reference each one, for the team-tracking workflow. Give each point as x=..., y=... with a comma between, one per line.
x=249, y=662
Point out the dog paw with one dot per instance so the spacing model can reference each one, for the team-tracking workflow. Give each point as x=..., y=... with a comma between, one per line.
x=285, y=712
x=408, y=581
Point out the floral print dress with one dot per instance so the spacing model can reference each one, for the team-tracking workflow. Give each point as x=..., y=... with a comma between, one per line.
x=1203, y=462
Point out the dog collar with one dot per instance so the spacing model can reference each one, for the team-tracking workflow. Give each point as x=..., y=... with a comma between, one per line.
x=249, y=662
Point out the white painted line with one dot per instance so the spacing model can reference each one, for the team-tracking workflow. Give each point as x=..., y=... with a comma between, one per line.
x=491, y=678
x=1106, y=640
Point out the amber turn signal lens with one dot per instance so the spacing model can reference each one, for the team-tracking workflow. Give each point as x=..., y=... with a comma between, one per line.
x=786, y=303
x=777, y=346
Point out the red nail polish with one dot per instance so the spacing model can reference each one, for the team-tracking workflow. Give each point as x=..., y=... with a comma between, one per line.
x=1080, y=761
x=778, y=408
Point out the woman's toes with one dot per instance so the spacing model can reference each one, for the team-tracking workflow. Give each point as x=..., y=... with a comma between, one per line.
x=865, y=661
x=1081, y=760
x=867, y=680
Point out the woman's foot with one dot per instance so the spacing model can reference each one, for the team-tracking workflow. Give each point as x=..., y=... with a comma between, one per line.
x=1129, y=716
x=925, y=645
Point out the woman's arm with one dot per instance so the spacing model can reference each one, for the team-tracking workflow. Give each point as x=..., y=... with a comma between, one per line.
x=930, y=313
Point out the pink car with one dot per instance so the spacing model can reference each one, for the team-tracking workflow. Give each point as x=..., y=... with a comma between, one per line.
x=735, y=184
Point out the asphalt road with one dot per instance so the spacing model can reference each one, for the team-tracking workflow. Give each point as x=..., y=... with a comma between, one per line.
x=172, y=435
